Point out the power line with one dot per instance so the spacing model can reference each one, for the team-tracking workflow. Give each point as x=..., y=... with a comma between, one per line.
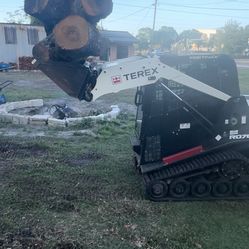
x=205, y=8
x=187, y=12
x=202, y=13
x=144, y=17
x=131, y=14
x=188, y=6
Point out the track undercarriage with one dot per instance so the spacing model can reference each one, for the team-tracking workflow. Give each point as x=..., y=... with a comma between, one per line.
x=216, y=175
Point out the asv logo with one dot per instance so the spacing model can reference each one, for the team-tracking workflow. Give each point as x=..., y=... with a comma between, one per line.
x=116, y=80
x=239, y=137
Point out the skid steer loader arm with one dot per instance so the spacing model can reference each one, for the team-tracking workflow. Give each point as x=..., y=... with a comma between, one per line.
x=72, y=36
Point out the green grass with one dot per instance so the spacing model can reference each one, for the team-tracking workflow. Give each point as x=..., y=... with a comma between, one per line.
x=83, y=192
x=14, y=94
x=244, y=80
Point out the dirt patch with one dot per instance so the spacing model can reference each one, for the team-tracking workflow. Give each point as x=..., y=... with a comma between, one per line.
x=22, y=240
x=12, y=150
x=68, y=245
x=25, y=239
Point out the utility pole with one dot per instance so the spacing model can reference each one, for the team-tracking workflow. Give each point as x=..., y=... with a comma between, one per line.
x=155, y=12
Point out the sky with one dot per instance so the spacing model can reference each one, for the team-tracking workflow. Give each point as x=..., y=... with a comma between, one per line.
x=130, y=15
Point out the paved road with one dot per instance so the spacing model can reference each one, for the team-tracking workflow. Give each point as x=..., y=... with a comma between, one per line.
x=243, y=63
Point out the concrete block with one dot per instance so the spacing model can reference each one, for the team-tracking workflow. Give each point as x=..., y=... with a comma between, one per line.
x=113, y=114
x=36, y=102
x=23, y=104
x=41, y=116
x=38, y=122
x=20, y=119
x=27, y=103
x=39, y=119
x=19, y=105
x=74, y=121
x=52, y=122
x=99, y=117
x=9, y=107
x=115, y=111
x=3, y=109
x=6, y=117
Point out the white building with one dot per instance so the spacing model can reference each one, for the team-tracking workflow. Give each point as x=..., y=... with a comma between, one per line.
x=17, y=40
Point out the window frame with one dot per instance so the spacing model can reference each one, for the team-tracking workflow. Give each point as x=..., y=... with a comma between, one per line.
x=33, y=36
x=10, y=34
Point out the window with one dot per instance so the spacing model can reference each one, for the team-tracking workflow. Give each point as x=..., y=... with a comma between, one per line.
x=10, y=35
x=33, y=36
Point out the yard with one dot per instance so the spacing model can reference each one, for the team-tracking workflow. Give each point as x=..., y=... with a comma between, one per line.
x=82, y=192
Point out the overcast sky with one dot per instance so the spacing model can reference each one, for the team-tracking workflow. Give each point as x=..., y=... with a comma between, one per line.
x=131, y=15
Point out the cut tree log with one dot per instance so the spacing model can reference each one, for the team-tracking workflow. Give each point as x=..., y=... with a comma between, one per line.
x=72, y=33
x=92, y=10
x=48, y=9
x=35, y=6
x=41, y=51
x=25, y=63
x=75, y=38
x=50, y=12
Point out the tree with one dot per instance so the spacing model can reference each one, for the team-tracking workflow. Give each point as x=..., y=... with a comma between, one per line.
x=144, y=38
x=246, y=37
x=17, y=16
x=35, y=21
x=192, y=34
x=20, y=17
x=164, y=37
x=232, y=39
x=191, y=37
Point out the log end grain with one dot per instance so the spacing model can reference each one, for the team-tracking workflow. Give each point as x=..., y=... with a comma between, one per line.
x=71, y=33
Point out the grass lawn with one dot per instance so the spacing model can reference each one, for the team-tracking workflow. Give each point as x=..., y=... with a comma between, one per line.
x=244, y=80
x=83, y=193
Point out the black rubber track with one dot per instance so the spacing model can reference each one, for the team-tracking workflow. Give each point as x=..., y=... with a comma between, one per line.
x=178, y=179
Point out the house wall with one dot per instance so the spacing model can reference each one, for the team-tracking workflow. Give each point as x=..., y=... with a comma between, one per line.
x=114, y=51
x=131, y=50
x=11, y=52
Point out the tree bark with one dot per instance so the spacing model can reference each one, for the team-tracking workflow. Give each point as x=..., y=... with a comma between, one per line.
x=92, y=10
x=49, y=12
x=35, y=6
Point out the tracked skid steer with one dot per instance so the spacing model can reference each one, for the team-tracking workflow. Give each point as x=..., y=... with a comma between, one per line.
x=192, y=125
x=190, y=145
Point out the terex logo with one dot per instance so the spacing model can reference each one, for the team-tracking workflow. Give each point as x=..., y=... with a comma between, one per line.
x=139, y=74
